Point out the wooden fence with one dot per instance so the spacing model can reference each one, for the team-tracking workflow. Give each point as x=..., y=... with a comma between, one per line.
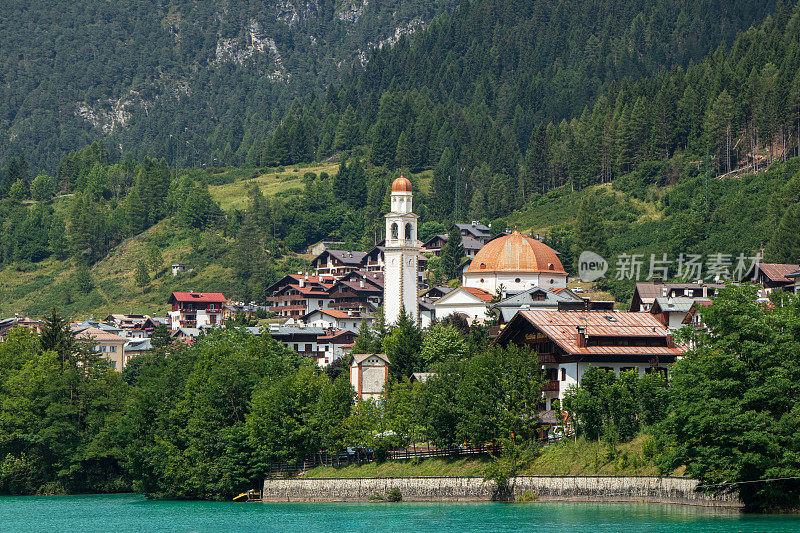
x=362, y=456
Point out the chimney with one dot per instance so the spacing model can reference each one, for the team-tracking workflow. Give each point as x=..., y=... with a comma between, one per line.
x=705, y=291
x=664, y=291
x=361, y=284
x=302, y=282
x=581, y=336
x=657, y=280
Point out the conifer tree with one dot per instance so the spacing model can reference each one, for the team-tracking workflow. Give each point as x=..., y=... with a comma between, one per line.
x=452, y=255
x=141, y=275
x=589, y=231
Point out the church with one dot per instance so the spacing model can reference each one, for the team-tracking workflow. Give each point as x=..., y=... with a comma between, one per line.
x=509, y=263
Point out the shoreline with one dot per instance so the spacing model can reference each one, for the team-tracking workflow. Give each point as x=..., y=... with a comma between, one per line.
x=610, y=489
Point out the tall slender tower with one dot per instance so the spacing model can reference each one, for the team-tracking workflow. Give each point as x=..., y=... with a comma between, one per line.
x=401, y=255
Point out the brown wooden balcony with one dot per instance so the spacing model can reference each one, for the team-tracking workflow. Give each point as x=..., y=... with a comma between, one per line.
x=550, y=386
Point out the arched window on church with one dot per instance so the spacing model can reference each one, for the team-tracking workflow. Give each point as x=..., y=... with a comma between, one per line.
x=395, y=230
x=408, y=231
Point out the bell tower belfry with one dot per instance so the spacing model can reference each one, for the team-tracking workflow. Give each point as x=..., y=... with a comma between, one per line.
x=401, y=255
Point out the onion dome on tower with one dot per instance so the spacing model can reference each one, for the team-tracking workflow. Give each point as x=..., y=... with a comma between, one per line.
x=401, y=184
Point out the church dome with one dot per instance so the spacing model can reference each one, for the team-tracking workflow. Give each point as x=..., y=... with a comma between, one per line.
x=516, y=253
x=401, y=184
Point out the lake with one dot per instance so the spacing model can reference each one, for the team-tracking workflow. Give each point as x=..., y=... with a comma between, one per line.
x=121, y=513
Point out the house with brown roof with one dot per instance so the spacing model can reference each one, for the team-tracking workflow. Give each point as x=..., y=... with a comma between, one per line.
x=110, y=345
x=196, y=309
x=469, y=302
x=369, y=373
x=569, y=342
x=646, y=292
x=337, y=262
x=775, y=276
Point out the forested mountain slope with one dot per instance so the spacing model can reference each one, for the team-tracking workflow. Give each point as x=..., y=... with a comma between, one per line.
x=177, y=79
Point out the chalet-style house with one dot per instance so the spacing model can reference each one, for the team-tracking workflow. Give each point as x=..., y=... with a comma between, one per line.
x=775, y=277
x=646, y=292
x=335, y=319
x=178, y=268
x=435, y=244
x=475, y=230
x=196, y=309
x=672, y=311
x=568, y=342
x=325, y=345
x=369, y=373
x=337, y=262
x=295, y=295
x=357, y=291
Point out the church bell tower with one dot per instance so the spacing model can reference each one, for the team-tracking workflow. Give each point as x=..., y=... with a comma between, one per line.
x=400, y=255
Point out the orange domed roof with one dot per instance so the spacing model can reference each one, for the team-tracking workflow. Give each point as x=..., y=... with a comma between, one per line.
x=516, y=253
x=401, y=184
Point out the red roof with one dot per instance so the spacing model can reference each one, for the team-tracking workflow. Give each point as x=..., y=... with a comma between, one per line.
x=207, y=297
x=777, y=271
x=480, y=293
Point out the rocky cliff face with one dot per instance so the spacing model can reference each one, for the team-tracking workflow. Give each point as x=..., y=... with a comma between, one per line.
x=129, y=69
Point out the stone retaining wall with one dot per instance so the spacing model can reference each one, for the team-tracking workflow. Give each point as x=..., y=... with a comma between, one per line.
x=545, y=488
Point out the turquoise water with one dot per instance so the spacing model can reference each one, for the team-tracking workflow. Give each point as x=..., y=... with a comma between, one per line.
x=122, y=513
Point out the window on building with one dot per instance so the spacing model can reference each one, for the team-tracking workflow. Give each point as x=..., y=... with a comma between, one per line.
x=395, y=230
x=408, y=231
x=563, y=374
x=112, y=349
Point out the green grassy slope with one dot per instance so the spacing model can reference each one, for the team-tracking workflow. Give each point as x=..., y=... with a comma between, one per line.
x=579, y=457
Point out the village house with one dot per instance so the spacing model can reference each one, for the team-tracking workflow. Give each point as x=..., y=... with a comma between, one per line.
x=536, y=298
x=186, y=335
x=774, y=277
x=333, y=318
x=795, y=285
x=196, y=309
x=295, y=295
x=357, y=291
x=474, y=230
x=325, y=345
x=233, y=309
x=110, y=346
x=646, y=292
x=671, y=311
x=134, y=348
x=694, y=319
x=178, y=268
x=7, y=324
x=435, y=244
x=469, y=302
x=569, y=342
x=337, y=262
x=368, y=375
